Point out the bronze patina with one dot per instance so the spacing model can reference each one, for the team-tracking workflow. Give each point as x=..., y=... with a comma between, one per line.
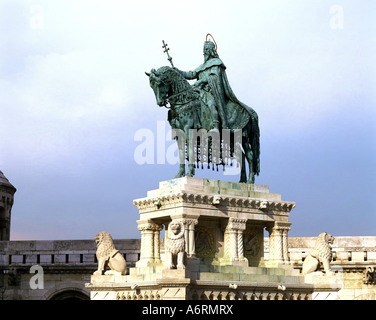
x=210, y=124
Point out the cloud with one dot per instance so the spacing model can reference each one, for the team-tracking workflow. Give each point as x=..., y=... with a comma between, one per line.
x=73, y=93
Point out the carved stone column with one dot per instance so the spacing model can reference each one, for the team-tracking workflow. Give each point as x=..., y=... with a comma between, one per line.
x=189, y=228
x=150, y=243
x=285, y=244
x=278, y=243
x=233, y=241
x=157, y=245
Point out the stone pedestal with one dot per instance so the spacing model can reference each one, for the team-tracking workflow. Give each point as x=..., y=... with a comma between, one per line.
x=224, y=248
x=224, y=221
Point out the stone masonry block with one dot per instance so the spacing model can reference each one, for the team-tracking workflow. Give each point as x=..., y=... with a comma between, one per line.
x=17, y=258
x=88, y=258
x=31, y=259
x=59, y=258
x=45, y=259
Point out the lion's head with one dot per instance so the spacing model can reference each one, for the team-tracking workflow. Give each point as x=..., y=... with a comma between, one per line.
x=175, y=228
x=322, y=247
x=105, y=244
x=175, y=237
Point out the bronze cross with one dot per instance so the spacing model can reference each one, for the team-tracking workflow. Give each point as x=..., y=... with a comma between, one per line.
x=166, y=50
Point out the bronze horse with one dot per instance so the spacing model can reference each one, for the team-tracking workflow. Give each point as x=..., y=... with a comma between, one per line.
x=188, y=111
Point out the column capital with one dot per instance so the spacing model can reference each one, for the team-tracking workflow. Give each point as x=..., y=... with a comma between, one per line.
x=236, y=224
x=189, y=222
x=279, y=227
x=149, y=225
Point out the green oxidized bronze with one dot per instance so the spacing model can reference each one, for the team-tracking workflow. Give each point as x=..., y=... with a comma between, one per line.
x=210, y=124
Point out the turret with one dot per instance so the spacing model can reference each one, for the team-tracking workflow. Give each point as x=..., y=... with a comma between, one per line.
x=7, y=191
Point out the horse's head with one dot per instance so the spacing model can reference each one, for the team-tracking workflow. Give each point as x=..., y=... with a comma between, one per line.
x=160, y=85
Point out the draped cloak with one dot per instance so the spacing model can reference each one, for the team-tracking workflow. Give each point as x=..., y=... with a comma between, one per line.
x=218, y=87
x=213, y=71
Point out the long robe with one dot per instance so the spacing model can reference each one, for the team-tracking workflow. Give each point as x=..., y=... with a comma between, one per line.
x=213, y=71
x=218, y=89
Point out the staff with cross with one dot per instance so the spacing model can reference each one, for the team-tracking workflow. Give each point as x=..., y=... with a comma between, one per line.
x=166, y=50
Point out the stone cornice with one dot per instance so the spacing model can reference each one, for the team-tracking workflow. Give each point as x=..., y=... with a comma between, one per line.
x=216, y=200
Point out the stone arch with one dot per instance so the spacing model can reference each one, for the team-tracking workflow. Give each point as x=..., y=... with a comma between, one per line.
x=70, y=295
x=67, y=293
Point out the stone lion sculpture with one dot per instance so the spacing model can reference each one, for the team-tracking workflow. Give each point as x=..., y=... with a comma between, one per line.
x=107, y=255
x=175, y=245
x=321, y=254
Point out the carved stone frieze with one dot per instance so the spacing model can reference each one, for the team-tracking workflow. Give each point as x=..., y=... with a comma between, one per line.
x=205, y=246
x=212, y=200
x=252, y=244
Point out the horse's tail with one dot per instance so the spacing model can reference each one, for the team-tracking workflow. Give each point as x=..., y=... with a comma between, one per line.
x=254, y=134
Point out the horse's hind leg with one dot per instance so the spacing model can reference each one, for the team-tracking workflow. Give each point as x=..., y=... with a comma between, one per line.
x=243, y=174
x=249, y=156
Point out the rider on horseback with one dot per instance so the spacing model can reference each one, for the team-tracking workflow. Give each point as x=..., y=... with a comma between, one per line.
x=215, y=90
x=209, y=84
x=208, y=104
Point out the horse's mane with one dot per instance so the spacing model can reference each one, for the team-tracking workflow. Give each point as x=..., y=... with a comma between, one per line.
x=175, y=78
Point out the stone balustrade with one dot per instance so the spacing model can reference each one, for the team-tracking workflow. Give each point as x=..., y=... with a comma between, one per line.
x=61, y=252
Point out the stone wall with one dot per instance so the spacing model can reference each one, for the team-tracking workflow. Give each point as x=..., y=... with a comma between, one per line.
x=68, y=264
x=352, y=256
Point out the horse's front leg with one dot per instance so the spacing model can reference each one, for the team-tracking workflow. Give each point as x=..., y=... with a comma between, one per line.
x=181, y=140
x=181, y=151
x=190, y=149
x=191, y=170
x=191, y=157
x=181, y=172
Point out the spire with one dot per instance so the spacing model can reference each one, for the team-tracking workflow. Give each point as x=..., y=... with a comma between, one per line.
x=5, y=182
x=7, y=191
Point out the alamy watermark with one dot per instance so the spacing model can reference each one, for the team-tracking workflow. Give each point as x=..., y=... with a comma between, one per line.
x=37, y=280
x=199, y=147
x=36, y=17
x=337, y=20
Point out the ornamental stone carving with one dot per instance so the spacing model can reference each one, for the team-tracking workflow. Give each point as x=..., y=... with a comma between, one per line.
x=175, y=245
x=150, y=243
x=205, y=246
x=107, y=255
x=252, y=244
x=278, y=242
x=320, y=255
x=233, y=240
x=189, y=234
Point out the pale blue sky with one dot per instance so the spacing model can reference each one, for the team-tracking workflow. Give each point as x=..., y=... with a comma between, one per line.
x=73, y=94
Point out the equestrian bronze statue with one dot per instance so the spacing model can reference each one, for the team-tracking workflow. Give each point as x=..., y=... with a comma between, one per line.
x=210, y=124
